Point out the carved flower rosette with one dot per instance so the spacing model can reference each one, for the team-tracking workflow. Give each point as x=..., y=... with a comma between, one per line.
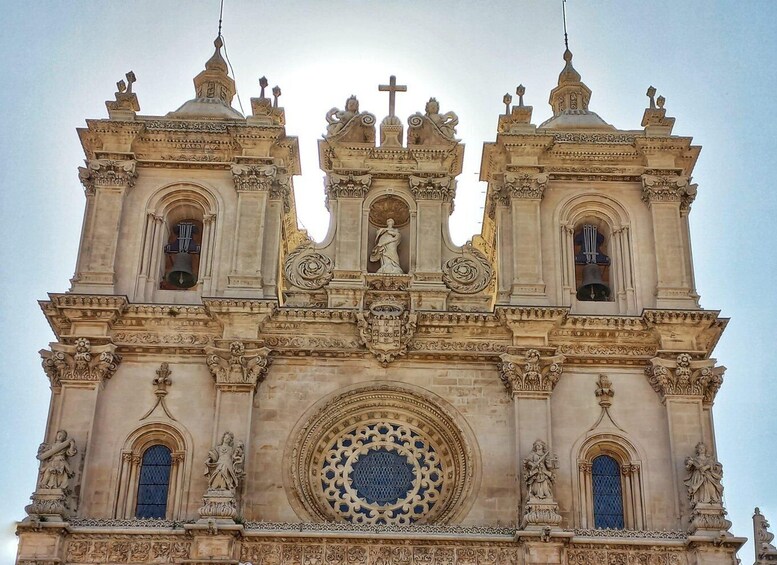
x=469, y=272
x=305, y=268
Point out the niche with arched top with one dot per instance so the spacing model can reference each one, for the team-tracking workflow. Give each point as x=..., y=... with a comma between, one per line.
x=389, y=236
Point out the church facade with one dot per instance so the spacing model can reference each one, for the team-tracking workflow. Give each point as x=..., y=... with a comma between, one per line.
x=226, y=390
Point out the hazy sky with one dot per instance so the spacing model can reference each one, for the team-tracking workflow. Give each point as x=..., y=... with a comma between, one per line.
x=712, y=60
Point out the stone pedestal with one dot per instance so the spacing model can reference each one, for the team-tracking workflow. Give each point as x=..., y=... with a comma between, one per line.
x=708, y=519
x=218, y=506
x=49, y=504
x=540, y=514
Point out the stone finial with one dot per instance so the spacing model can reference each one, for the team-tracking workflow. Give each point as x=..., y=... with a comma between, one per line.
x=519, y=119
x=654, y=119
x=765, y=552
x=161, y=382
x=265, y=111
x=571, y=94
x=705, y=492
x=126, y=104
x=507, y=100
x=539, y=477
x=604, y=391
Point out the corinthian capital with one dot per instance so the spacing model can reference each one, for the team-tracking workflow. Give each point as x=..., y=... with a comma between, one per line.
x=525, y=185
x=237, y=366
x=81, y=362
x=433, y=188
x=347, y=186
x=253, y=178
x=668, y=189
x=530, y=373
x=683, y=376
x=107, y=173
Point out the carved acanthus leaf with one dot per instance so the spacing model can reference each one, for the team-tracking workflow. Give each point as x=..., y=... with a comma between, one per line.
x=79, y=362
x=347, y=186
x=668, y=189
x=107, y=173
x=530, y=372
x=238, y=365
x=433, y=188
x=525, y=185
x=685, y=376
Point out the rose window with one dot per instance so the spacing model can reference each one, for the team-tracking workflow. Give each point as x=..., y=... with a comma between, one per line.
x=381, y=455
x=382, y=472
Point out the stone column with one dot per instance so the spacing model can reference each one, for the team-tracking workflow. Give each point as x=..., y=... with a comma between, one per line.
x=238, y=371
x=687, y=388
x=525, y=192
x=106, y=183
x=669, y=199
x=253, y=184
x=76, y=373
x=529, y=378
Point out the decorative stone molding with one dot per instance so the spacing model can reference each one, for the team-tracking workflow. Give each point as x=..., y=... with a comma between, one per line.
x=254, y=178
x=433, y=188
x=604, y=391
x=161, y=382
x=107, y=173
x=599, y=554
x=79, y=362
x=469, y=272
x=705, y=492
x=525, y=185
x=386, y=329
x=145, y=548
x=306, y=268
x=765, y=552
x=668, y=189
x=684, y=376
x=347, y=186
x=334, y=456
x=539, y=477
x=238, y=365
x=530, y=372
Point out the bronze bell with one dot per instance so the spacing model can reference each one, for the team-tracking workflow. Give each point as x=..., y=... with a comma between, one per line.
x=181, y=274
x=593, y=287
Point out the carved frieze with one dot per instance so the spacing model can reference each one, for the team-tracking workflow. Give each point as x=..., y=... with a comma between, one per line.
x=79, y=362
x=238, y=365
x=126, y=549
x=433, y=188
x=469, y=272
x=253, y=178
x=668, y=189
x=685, y=376
x=530, y=372
x=107, y=173
x=306, y=268
x=386, y=329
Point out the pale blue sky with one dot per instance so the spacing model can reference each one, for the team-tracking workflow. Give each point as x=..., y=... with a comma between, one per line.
x=712, y=60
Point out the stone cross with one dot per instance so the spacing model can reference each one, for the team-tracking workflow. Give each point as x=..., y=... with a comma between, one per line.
x=392, y=88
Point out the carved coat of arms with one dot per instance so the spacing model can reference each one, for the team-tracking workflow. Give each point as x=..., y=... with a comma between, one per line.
x=386, y=330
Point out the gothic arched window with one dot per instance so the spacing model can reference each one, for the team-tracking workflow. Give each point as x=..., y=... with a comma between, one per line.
x=607, y=492
x=154, y=482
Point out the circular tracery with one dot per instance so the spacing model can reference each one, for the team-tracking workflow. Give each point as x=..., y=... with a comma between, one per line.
x=382, y=455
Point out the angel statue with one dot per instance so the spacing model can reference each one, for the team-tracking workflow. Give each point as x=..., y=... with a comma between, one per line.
x=539, y=476
x=55, y=469
x=338, y=119
x=386, y=249
x=225, y=464
x=446, y=122
x=704, y=480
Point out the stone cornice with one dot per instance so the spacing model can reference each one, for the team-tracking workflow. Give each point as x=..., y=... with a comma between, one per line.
x=66, y=313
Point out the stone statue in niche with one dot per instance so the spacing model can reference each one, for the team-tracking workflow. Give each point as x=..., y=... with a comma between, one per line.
x=225, y=464
x=386, y=249
x=338, y=119
x=539, y=477
x=55, y=469
x=704, y=480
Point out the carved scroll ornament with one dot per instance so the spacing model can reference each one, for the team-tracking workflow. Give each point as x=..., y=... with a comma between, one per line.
x=108, y=173
x=668, y=189
x=469, y=272
x=684, y=376
x=306, y=268
x=79, y=362
x=252, y=178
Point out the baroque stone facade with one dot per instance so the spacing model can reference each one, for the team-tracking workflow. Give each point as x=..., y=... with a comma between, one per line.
x=383, y=396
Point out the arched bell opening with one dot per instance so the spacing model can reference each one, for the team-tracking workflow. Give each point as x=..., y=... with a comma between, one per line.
x=182, y=250
x=592, y=263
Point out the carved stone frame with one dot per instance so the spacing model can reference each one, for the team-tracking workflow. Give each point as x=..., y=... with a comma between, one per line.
x=632, y=482
x=126, y=482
